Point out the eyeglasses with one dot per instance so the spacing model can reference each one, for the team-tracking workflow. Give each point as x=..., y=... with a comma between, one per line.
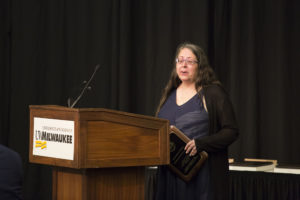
x=188, y=62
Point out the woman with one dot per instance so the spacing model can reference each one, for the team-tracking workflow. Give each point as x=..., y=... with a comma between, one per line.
x=195, y=102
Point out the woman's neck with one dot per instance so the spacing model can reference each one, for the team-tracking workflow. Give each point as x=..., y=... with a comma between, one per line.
x=187, y=86
x=184, y=93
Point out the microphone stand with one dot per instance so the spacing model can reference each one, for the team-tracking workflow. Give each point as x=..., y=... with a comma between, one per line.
x=83, y=90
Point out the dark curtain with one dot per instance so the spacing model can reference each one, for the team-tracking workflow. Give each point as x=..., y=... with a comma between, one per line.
x=263, y=186
x=48, y=48
x=247, y=185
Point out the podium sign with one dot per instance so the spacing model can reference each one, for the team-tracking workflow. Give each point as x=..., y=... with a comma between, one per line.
x=53, y=138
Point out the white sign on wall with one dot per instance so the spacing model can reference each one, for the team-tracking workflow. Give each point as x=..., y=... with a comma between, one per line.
x=53, y=138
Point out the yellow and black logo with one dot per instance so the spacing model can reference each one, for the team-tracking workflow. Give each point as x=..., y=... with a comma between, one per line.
x=40, y=144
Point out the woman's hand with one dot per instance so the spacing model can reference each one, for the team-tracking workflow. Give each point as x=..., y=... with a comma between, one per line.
x=190, y=148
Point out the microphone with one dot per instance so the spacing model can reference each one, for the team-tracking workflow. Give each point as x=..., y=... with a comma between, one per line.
x=86, y=87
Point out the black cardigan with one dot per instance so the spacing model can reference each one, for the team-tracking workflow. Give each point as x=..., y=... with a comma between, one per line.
x=223, y=131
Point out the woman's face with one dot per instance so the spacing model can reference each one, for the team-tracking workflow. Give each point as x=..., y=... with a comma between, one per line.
x=186, y=65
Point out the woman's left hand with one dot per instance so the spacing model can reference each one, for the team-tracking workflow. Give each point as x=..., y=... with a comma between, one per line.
x=190, y=148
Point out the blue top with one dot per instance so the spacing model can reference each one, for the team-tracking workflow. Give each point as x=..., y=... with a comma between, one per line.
x=192, y=119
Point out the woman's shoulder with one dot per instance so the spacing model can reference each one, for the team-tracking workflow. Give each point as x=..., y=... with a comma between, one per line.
x=215, y=90
x=9, y=155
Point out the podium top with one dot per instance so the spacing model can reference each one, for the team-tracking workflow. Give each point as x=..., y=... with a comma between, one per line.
x=101, y=138
x=64, y=108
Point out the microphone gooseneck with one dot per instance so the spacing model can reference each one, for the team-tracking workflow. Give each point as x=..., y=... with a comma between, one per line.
x=84, y=89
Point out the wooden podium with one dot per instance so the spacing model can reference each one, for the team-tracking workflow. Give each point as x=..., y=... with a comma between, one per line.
x=110, y=150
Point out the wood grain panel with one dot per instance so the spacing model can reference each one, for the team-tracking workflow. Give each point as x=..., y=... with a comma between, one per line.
x=126, y=183
x=69, y=184
x=118, y=141
x=117, y=183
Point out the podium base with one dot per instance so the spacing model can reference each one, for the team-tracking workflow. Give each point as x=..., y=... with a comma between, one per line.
x=103, y=183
